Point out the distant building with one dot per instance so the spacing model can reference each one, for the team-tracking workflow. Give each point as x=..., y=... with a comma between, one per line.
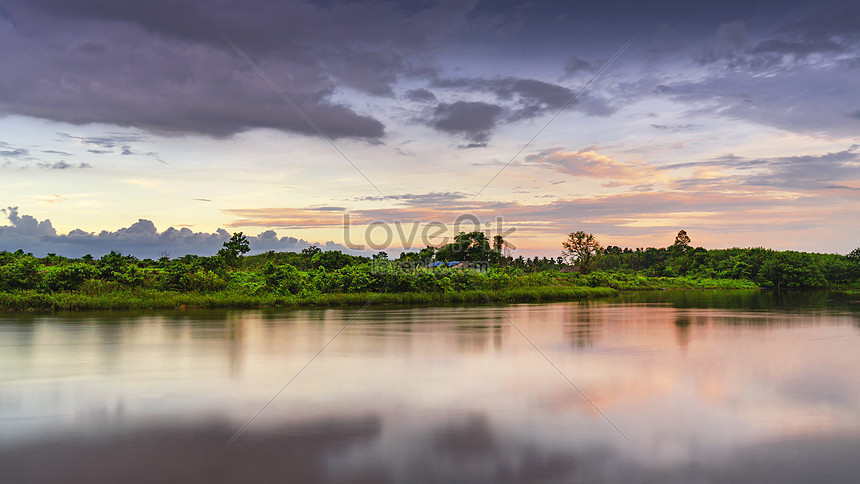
x=455, y=264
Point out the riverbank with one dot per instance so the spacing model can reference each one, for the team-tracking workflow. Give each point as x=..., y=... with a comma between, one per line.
x=152, y=299
x=114, y=297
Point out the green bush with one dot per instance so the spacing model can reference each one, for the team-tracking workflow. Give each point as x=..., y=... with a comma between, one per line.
x=24, y=272
x=203, y=281
x=283, y=278
x=69, y=277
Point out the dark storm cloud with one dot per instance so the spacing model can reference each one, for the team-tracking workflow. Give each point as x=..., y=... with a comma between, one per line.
x=516, y=99
x=164, y=66
x=803, y=99
x=472, y=120
x=818, y=32
x=141, y=239
x=528, y=98
x=791, y=71
x=265, y=26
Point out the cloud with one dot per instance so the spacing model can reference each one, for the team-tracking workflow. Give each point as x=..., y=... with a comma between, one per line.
x=516, y=99
x=810, y=172
x=807, y=173
x=827, y=23
x=105, y=143
x=801, y=49
x=826, y=35
x=798, y=100
x=14, y=153
x=127, y=151
x=422, y=199
x=589, y=163
x=51, y=198
x=471, y=120
x=528, y=98
x=111, y=143
x=63, y=165
x=164, y=66
x=679, y=127
x=292, y=218
x=141, y=239
x=574, y=65
x=420, y=95
x=24, y=225
x=9, y=151
x=793, y=77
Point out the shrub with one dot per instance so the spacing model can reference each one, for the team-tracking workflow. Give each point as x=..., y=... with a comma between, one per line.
x=69, y=277
x=21, y=273
x=202, y=281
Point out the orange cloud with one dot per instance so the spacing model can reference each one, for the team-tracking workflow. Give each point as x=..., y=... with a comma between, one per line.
x=287, y=217
x=589, y=163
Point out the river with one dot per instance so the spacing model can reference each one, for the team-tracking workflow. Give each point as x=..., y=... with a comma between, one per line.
x=673, y=386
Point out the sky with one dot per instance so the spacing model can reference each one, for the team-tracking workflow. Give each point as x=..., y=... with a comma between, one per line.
x=162, y=127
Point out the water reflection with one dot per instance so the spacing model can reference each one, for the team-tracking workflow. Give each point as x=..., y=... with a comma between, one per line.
x=709, y=385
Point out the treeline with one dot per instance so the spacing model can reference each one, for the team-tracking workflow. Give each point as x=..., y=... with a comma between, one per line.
x=584, y=263
x=764, y=267
x=303, y=274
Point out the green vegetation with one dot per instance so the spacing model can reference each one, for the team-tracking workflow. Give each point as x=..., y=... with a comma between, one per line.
x=316, y=277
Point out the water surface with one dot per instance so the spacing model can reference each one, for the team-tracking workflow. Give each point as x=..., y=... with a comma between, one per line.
x=678, y=386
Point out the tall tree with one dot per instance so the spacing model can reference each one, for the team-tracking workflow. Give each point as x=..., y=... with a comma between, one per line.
x=498, y=243
x=682, y=239
x=471, y=246
x=234, y=248
x=581, y=248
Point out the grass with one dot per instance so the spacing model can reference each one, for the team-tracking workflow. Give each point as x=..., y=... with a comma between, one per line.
x=152, y=299
x=102, y=295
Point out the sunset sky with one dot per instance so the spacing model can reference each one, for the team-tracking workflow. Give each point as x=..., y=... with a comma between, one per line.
x=736, y=121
